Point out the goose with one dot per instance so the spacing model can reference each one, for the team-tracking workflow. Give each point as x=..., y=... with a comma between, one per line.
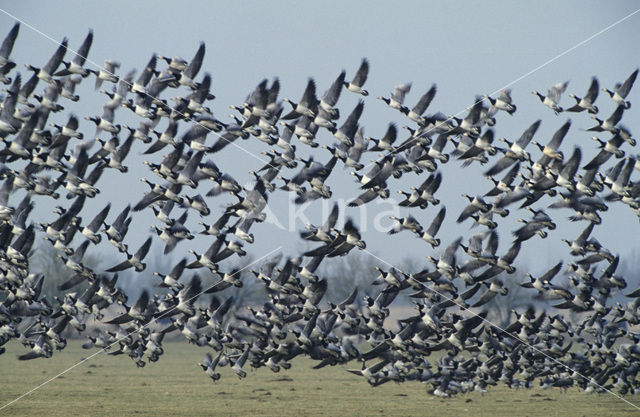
x=170, y=280
x=355, y=85
x=6, y=64
x=566, y=177
x=415, y=114
x=241, y=229
x=165, y=138
x=106, y=73
x=578, y=246
x=173, y=234
x=142, y=106
x=8, y=123
x=475, y=204
x=119, y=92
x=503, y=101
x=479, y=146
x=139, y=86
x=322, y=233
x=41, y=348
x=620, y=92
x=446, y=264
x=197, y=202
x=405, y=223
x=227, y=280
x=118, y=229
x=136, y=312
x=115, y=161
x=50, y=97
x=90, y=231
x=504, y=185
x=134, y=260
x=305, y=129
x=347, y=131
x=46, y=73
x=484, y=219
x=586, y=102
x=435, y=151
x=608, y=148
x=551, y=149
x=369, y=195
x=429, y=234
x=552, y=98
x=307, y=106
x=610, y=123
x=331, y=96
x=386, y=142
x=494, y=288
x=20, y=146
x=530, y=229
x=208, y=365
x=619, y=187
x=206, y=260
x=396, y=98
x=74, y=261
x=70, y=129
x=197, y=97
x=470, y=125
x=188, y=76
x=516, y=150
x=105, y=122
x=75, y=66
x=428, y=189
x=69, y=84
x=505, y=262
x=345, y=240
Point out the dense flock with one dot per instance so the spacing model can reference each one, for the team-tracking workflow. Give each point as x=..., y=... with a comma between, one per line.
x=574, y=334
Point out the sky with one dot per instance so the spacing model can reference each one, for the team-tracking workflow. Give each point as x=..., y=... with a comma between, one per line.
x=466, y=48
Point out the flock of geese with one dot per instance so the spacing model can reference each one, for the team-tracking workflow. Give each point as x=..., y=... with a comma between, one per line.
x=575, y=334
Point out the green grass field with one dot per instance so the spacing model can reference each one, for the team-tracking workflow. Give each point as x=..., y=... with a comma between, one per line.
x=175, y=385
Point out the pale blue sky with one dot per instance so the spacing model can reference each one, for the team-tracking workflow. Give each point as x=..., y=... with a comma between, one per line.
x=466, y=48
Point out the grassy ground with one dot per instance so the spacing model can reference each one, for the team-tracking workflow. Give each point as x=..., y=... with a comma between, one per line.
x=107, y=385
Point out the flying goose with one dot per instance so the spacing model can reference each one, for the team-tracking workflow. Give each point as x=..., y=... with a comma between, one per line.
x=188, y=76
x=586, y=102
x=396, y=98
x=620, y=92
x=6, y=64
x=134, y=260
x=386, y=142
x=307, y=106
x=516, y=150
x=46, y=73
x=322, y=233
x=429, y=234
x=136, y=312
x=331, y=96
x=347, y=131
x=610, y=123
x=359, y=79
x=90, y=231
x=418, y=110
x=552, y=99
x=503, y=101
x=207, y=259
x=75, y=66
x=551, y=149
x=405, y=223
